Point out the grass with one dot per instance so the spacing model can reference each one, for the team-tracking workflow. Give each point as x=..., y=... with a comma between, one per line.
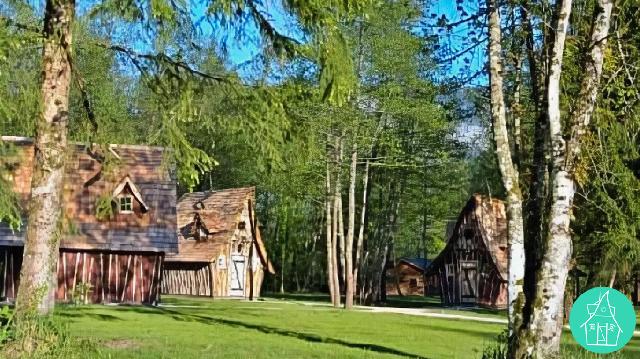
x=202, y=328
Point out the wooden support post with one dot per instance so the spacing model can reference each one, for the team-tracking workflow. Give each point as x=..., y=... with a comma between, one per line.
x=252, y=220
x=4, y=283
x=211, y=279
x=64, y=274
x=153, y=279
x=102, y=277
x=126, y=278
x=160, y=275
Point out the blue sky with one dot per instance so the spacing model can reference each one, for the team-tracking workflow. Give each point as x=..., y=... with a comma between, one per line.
x=241, y=51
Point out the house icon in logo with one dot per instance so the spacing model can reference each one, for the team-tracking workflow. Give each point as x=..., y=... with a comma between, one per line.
x=602, y=328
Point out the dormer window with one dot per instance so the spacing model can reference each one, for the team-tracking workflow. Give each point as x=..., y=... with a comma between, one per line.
x=126, y=204
x=125, y=193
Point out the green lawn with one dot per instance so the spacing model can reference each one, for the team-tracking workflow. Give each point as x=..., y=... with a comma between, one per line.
x=269, y=329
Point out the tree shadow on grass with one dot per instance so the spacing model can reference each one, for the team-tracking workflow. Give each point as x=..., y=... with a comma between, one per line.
x=105, y=317
x=306, y=336
x=178, y=316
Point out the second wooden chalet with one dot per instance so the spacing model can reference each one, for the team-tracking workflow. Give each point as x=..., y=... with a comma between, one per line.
x=221, y=253
x=472, y=268
x=407, y=277
x=103, y=259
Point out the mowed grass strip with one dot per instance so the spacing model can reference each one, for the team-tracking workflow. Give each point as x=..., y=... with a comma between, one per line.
x=205, y=328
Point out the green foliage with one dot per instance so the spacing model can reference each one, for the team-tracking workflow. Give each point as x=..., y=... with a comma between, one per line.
x=6, y=325
x=608, y=206
x=105, y=207
x=43, y=338
x=9, y=207
x=497, y=349
x=81, y=293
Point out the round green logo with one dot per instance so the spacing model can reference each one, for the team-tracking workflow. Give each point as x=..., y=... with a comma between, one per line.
x=602, y=320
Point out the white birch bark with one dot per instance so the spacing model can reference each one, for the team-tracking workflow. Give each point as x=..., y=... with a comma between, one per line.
x=508, y=171
x=349, y=282
x=329, y=229
x=336, y=215
x=547, y=317
x=363, y=216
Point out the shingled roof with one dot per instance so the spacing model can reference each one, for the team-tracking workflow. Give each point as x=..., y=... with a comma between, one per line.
x=150, y=230
x=418, y=263
x=220, y=212
x=491, y=219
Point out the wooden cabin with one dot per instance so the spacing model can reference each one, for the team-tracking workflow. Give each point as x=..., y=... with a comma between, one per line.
x=407, y=277
x=117, y=258
x=472, y=268
x=221, y=253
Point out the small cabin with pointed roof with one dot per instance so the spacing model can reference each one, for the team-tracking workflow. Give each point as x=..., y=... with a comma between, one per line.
x=221, y=252
x=472, y=268
x=406, y=277
x=112, y=258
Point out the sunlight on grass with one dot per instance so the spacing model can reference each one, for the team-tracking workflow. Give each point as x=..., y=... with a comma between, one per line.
x=205, y=328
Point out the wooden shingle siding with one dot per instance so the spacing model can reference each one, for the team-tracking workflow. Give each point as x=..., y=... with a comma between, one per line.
x=120, y=258
x=472, y=268
x=153, y=231
x=223, y=216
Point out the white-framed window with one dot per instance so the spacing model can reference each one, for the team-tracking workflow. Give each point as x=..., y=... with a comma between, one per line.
x=126, y=204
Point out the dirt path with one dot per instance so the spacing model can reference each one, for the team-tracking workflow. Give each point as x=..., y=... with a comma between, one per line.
x=426, y=313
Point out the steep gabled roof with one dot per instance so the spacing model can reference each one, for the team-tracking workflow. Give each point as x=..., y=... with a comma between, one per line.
x=220, y=211
x=419, y=263
x=491, y=219
x=140, y=167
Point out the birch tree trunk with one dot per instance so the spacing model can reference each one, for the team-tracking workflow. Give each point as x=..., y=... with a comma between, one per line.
x=361, y=229
x=508, y=171
x=547, y=315
x=538, y=189
x=613, y=278
x=341, y=242
x=336, y=215
x=329, y=227
x=349, y=283
x=36, y=294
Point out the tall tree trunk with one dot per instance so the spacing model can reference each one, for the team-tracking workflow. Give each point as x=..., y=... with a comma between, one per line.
x=336, y=218
x=329, y=227
x=507, y=169
x=531, y=340
x=349, y=283
x=361, y=229
x=536, y=207
x=36, y=294
x=546, y=322
x=341, y=242
x=613, y=278
x=516, y=113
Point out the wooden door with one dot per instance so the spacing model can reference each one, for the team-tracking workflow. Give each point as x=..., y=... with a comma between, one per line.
x=236, y=281
x=468, y=282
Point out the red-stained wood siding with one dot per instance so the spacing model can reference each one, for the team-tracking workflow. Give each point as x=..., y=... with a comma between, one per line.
x=10, y=263
x=114, y=277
